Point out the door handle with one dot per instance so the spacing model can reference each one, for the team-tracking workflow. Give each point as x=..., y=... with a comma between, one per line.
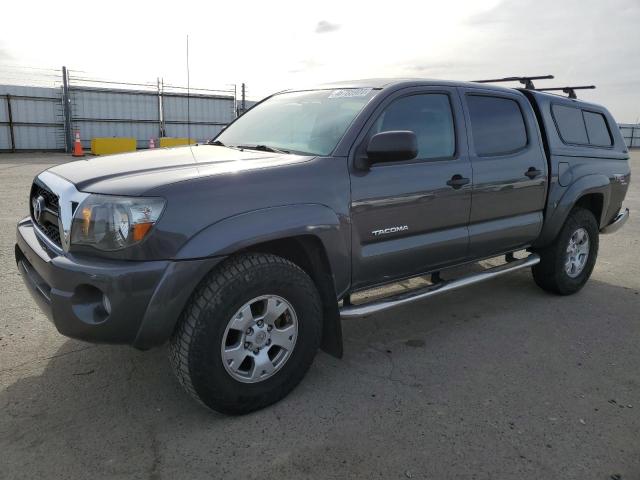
x=532, y=172
x=457, y=181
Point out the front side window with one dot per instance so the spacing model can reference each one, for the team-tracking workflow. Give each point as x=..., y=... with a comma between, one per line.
x=308, y=122
x=497, y=125
x=429, y=116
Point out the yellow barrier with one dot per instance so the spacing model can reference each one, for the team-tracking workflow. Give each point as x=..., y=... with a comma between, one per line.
x=175, y=141
x=106, y=146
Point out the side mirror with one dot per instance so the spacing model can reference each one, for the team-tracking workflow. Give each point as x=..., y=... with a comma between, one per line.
x=392, y=146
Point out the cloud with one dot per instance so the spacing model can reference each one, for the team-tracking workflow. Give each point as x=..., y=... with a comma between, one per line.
x=4, y=55
x=460, y=69
x=533, y=37
x=324, y=26
x=306, y=65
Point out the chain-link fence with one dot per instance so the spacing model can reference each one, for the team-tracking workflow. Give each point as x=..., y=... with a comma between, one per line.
x=631, y=134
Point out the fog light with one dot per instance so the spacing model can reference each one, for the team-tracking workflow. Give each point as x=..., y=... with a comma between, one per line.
x=106, y=304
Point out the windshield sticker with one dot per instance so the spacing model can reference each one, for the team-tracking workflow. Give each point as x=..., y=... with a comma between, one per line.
x=350, y=92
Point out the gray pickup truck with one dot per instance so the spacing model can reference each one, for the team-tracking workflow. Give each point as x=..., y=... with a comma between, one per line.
x=244, y=253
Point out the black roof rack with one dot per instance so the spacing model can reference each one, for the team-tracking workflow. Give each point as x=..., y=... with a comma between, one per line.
x=526, y=81
x=571, y=91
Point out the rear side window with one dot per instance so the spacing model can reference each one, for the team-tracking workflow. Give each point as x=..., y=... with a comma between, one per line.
x=570, y=124
x=496, y=124
x=597, y=130
x=429, y=116
x=581, y=127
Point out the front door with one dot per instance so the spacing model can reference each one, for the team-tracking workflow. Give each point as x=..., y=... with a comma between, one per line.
x=411, y=217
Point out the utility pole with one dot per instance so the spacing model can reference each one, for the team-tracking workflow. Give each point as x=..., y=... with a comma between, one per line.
x=235, y=100
x=161, y=130
x=243, y=106
x=66, y=110
x=159, y=108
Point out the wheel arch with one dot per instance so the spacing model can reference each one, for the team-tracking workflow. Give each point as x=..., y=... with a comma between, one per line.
x=594, y=202
x=308, y=253
x=591, y=192
x=310, y=235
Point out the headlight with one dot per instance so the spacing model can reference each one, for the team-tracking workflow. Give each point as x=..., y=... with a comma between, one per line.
x=112, y=223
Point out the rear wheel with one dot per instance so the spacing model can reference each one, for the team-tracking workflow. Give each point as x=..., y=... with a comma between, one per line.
x=248, y=335
x=566, y=265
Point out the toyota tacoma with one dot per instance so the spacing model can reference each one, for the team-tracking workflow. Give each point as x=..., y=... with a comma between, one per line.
x=244, y=253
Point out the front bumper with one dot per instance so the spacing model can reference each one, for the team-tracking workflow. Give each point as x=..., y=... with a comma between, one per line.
x=144, y=298
x=618, y=221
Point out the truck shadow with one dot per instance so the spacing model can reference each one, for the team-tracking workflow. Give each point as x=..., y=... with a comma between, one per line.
x=121, y=411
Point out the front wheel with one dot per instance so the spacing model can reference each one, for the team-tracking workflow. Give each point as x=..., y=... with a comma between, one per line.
x=566, y=265
x=249, y=333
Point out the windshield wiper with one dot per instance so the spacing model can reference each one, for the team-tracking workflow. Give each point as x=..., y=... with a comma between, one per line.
x=217, y=143
x=262, y=148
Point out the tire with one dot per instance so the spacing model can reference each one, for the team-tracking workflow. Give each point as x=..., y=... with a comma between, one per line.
x=552, y=274
x=217, y=312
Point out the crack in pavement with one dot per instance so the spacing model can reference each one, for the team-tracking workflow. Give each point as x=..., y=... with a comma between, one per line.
x=42, y=359
x=390, y=375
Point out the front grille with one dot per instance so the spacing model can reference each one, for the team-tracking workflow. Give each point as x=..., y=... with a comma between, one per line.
x=50, y=198
x=48, y=221
x=53, y=233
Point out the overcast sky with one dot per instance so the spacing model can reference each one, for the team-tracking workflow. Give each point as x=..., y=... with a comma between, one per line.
x=274, y=45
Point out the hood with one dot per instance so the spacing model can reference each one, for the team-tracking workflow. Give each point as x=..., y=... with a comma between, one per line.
x=137, y=172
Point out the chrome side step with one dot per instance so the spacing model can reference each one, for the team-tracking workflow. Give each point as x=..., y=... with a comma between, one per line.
x=353, y=311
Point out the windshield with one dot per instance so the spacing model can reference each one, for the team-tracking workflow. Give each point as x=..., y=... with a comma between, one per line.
x=310, y=122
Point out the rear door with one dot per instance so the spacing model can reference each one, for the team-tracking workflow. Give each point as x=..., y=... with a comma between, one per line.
x=509, y=171
x=410, y=217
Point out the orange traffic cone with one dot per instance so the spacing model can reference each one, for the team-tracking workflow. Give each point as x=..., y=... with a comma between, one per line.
x=77, y=147
x=152, y=143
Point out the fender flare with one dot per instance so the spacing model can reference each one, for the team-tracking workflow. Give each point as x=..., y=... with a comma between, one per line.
x=558, y=211
x=241, y=231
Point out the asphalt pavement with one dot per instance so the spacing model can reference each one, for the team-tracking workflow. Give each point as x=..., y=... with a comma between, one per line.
x=497, y=381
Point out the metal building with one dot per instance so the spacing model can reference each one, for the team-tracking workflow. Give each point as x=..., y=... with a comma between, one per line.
x=31, y=118
x=102, y=112
x=47, y=118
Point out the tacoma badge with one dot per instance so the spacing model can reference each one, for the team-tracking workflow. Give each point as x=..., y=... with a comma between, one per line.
x=385, y=231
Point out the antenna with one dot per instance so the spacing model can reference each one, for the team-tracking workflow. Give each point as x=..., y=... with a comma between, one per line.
x=526, y=81
x=571, y=91
x=188, y=97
